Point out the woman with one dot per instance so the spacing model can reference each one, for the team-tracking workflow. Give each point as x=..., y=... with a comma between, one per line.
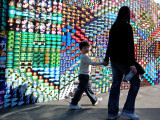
x=121, y=53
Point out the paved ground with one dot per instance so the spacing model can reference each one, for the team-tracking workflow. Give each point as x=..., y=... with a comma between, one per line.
x=147, y=107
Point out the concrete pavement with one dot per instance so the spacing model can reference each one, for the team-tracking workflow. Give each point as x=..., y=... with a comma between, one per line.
x=147, y=107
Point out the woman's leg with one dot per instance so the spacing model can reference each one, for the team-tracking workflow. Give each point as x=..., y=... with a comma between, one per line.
x=113, y=104
x=134, y=88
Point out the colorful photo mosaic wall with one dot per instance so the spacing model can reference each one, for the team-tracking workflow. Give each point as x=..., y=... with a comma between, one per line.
x=40, y=39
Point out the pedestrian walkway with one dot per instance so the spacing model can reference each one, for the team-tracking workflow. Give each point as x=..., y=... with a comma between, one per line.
x=147, y=107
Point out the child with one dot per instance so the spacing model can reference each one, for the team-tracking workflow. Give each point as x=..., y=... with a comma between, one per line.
x=84, y=83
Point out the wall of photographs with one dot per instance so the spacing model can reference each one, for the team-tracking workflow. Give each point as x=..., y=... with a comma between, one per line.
x=42, y=59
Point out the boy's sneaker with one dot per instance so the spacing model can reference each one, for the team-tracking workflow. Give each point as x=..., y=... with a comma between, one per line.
x=74, y=107
x=98, y=100
x=131, y=116
x=112, y=117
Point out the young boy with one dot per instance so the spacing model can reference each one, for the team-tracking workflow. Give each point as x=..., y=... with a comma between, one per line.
x=84, y=83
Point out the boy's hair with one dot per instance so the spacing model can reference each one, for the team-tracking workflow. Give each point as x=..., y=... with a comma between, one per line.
x=83, y=44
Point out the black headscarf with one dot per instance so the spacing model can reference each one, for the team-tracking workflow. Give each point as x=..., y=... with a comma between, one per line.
x=123, y=17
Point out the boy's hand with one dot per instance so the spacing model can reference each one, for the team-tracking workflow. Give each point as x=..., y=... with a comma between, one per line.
x=104, y=63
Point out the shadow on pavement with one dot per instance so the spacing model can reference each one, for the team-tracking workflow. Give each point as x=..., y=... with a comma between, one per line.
x=62, y=112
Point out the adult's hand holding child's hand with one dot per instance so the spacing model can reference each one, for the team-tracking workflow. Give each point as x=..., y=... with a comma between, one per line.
x=104, y=63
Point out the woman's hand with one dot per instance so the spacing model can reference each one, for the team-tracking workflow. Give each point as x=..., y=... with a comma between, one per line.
x=133, y=69
x=104, y=63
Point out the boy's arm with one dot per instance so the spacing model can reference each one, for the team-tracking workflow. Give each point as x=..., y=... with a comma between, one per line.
x=87, y=60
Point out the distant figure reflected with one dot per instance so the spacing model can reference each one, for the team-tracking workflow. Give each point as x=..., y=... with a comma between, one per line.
x=121, y=53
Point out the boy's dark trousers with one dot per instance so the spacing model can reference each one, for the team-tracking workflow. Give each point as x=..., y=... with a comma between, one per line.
x=84, y=86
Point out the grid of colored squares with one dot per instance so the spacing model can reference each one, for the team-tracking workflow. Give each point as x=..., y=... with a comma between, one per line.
x=43, y=46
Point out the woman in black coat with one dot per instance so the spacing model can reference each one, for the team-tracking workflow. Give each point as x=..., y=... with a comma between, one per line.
x=120, y=50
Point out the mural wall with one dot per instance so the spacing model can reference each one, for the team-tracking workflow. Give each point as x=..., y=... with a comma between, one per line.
x=40, y=46
x=3, y=41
